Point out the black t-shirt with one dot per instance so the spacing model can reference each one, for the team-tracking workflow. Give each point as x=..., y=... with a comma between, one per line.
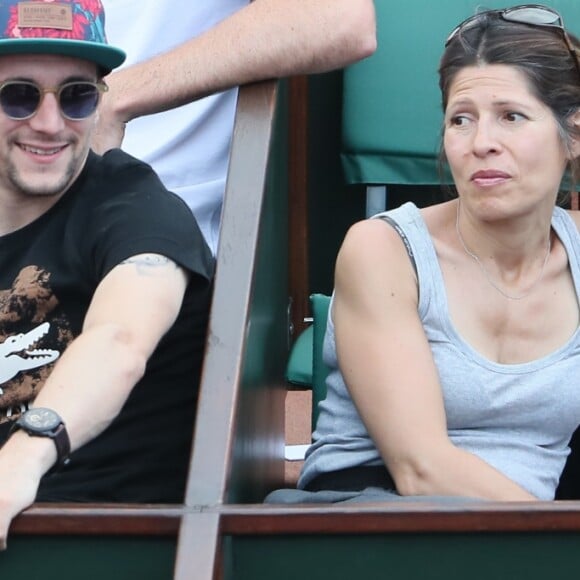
x=49, y=271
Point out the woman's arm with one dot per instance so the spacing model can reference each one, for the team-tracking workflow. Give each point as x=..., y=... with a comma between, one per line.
x=387, y=364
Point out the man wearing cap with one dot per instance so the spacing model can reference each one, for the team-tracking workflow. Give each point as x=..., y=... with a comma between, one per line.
x=105, y=282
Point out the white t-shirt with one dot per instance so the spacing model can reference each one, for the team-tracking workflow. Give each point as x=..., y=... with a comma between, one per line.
x=189, y=146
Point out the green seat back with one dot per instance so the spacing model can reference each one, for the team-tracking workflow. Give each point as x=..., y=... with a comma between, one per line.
x=306, y=367
x=392, y=117
x=320, y=304
x=299, y=368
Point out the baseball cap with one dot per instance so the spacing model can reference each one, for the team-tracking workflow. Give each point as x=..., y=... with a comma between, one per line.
x=67, y=27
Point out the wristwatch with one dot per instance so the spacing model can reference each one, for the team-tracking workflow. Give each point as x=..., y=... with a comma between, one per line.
x=42, y=422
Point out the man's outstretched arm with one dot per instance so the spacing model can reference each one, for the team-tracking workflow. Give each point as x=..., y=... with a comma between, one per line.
x=133, y=307
x=266, y=39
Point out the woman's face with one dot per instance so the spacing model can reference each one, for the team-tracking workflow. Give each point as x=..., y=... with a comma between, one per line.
x=502, y=143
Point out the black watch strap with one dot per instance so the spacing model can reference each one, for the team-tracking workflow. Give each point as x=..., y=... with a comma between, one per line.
x=57, y=433
x=62, y=443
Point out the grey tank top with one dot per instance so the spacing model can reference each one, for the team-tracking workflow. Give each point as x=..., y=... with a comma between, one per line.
x=519, y=418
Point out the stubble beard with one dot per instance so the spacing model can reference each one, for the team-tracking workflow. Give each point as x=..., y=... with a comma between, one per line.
x=53, y=186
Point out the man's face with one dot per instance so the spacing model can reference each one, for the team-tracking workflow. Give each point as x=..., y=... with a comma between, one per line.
x=41, y=156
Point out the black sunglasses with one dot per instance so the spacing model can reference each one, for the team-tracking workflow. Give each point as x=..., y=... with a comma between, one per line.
x=531, y=14
x=77, y=100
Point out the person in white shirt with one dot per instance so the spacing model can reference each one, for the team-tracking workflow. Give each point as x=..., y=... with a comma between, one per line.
x=179, y=52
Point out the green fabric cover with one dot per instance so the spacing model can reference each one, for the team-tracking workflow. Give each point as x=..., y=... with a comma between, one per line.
x=320, y=304
x=391, y=103
x=299, y=369
x=305, y=365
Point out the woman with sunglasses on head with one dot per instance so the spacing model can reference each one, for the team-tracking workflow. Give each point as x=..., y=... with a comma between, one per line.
x=453, y=337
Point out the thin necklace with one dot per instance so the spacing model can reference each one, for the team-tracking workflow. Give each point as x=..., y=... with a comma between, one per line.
x=486, y=273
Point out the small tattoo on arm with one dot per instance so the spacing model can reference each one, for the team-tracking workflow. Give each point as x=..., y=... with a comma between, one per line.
x=148, y=264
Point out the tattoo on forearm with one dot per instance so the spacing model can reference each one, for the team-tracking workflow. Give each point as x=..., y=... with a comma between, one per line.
x=148, y=264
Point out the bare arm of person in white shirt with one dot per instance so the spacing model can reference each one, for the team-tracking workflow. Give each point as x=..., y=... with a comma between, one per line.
x=266, y=39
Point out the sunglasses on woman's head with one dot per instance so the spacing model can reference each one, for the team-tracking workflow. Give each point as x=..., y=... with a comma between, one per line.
x=20, y=100
x=531, y=14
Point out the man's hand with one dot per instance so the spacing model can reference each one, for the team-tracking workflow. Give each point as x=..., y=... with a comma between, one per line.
x=109, y=130
x=23, y=460
x=16, y=494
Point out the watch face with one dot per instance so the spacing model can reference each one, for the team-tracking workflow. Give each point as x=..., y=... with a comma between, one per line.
x=40, y=419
